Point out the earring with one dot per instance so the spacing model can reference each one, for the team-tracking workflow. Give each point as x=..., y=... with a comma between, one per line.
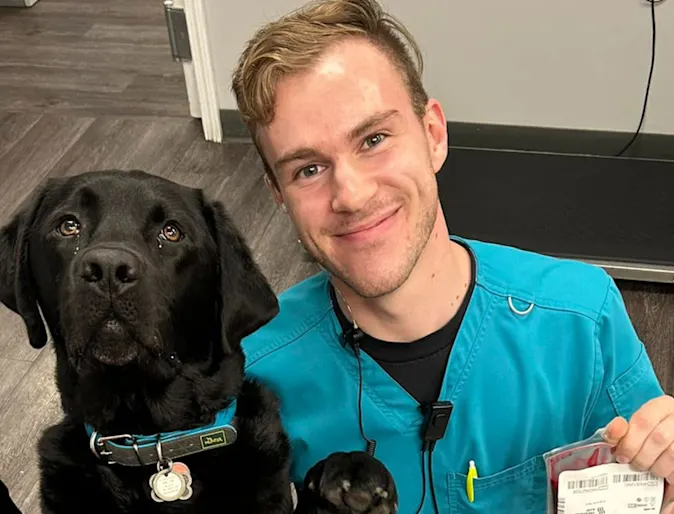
x=284, y=208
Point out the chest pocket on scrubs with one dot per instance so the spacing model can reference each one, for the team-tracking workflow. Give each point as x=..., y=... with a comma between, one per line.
x=520, y=489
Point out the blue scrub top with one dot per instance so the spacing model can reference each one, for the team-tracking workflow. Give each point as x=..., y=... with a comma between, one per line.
x=545, y=356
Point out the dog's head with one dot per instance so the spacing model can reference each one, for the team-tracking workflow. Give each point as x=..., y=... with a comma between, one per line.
x=129, y=268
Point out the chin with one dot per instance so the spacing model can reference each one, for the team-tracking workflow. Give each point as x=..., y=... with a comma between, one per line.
x=97, y=336
x=113, y=350
x=376, y=278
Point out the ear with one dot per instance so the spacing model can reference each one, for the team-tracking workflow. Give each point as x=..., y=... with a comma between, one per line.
x=248, y=301
x=273, y=188
x=435, y=125
x=17, y=289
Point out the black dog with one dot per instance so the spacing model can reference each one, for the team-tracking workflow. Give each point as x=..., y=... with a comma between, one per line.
x=147, y=289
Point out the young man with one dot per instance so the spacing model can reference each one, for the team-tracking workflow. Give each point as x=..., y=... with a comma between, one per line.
x=527, y=352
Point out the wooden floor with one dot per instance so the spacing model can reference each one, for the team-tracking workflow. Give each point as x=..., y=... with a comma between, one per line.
x=87, y=84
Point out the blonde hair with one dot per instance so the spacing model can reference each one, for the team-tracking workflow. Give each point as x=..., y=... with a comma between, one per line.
x=294, y=42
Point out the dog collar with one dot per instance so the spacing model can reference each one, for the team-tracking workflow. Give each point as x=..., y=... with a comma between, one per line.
x=143, y=450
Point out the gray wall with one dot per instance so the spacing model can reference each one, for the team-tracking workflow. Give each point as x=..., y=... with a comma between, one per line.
x=570, y=64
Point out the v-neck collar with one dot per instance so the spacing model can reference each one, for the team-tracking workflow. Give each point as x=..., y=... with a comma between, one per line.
x=402, y=409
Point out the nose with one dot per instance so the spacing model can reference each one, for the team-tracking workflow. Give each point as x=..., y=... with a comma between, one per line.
x=352, y=188
x=110, y=269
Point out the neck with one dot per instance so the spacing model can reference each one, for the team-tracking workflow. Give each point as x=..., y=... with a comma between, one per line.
x=425, y=302
x=149, y=398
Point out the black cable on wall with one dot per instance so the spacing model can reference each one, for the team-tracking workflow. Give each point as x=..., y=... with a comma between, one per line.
x=650, y=77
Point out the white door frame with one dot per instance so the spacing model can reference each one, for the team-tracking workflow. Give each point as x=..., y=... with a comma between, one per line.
x=199, y=73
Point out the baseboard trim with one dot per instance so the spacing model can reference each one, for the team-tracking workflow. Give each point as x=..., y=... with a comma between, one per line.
x=524, y=139
x=662, y=274
x=17, y=3
x=560, y=141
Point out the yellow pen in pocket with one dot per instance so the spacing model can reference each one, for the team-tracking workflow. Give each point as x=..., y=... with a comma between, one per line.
x=472, y=474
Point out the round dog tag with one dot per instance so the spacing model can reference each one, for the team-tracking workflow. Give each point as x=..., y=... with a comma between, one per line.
x=167, y=487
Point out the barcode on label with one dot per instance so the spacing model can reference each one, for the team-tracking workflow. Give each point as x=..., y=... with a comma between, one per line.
x=633, y=477
x=561, y=504
x=588, y=483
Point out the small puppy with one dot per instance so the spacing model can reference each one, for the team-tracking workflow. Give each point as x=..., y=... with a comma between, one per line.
x=147, y=289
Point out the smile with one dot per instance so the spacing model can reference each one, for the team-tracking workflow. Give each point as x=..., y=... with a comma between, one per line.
x=371, y=228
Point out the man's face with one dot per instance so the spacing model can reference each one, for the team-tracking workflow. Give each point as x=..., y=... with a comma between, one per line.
x=356, y=167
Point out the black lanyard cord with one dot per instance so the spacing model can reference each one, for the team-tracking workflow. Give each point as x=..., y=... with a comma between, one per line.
x=371, y=444
x=437, y=419
x=430, y=478
x=351, y=336
x=423, y=481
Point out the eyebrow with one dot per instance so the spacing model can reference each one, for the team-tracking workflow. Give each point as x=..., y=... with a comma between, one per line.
x=358, y=131
x=295, y=155
x=363, y=127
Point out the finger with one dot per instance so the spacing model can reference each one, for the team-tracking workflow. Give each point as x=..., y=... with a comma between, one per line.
x=642, y=423
x=668, y=502
x=658, y=448
x=615, y=431
x=669, y=493
x=664, y=465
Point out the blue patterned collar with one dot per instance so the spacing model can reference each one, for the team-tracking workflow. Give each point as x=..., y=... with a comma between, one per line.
x=143, y=450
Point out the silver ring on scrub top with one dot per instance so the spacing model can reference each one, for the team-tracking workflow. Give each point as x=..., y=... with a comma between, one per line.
x=519, y=313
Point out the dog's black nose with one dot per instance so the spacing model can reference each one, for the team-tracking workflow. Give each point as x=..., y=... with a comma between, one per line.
x=110, y=268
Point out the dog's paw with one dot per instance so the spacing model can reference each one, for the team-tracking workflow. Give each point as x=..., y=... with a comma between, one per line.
x=353, y=483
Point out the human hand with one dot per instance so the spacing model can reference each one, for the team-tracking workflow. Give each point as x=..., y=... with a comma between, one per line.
x=646, y=442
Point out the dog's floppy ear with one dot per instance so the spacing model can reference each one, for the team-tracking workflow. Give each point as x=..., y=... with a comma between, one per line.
x=248, y=301
x=17, y=289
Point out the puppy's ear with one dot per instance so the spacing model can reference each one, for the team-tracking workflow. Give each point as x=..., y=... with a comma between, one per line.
x=248, y=301
x=17, y=289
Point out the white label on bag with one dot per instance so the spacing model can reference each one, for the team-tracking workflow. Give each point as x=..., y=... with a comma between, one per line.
x=609, y=489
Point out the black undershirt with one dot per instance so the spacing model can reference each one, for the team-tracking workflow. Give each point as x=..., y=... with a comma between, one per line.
x=419, y=366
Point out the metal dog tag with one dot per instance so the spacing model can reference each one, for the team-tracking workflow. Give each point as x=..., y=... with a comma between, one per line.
x=171, y=484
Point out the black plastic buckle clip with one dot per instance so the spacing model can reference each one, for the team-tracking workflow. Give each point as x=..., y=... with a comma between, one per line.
x=437, y=419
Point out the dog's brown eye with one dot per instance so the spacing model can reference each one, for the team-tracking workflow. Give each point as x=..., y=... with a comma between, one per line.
x=172, y=233
x=69, y=227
